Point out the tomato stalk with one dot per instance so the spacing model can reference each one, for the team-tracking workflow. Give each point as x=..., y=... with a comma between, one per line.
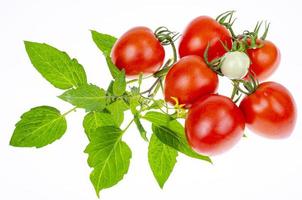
x=166, y=37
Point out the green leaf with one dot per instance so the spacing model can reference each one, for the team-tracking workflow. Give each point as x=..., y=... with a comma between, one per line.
x=39, y=127
x=56, y=66
x=110, y=87
x=157, y=118
x=119, y=85
x=104, y=42
x=109, y=156
x=112, y=68
x=173, y=135
x=90, y=97
x=94, y=120
x=162, y=159
x=117, y=109
x=140, y=128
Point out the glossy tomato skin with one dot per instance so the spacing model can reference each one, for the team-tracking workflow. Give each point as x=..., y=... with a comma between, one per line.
x=270, y=111
x=189, y=79
x=199, y=33
x=138, y=51
x=264, y=60
x=214, y=124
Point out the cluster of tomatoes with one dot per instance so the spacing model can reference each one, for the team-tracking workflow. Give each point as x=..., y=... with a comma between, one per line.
x=208, y=48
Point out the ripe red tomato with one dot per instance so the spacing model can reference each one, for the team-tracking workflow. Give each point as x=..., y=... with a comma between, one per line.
x=189, y=79
x=199, y=33
x=138, y=50
x=270, y=111
x=264, y=60
x=214, y=124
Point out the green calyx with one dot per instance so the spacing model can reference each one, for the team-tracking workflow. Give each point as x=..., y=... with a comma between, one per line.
x=246, y=40
x=226, y=19
x=167, y=37
x=214, y=64
x=246, y=87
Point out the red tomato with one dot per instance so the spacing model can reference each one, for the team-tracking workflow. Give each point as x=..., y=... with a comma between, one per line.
x=199, y=33
x=189, y=79
x=270, y=111
x=264, y=60
x=214, y=124
x=138, y=50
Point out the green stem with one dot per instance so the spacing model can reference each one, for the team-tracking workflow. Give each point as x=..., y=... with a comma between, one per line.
x=125, y=129
x=234, y=91
x=69, y=111
x=156, y=88
x=152, y=86
x=174, y=52
x=168, y=65
x=135, y=80
x=229, y=27
x=162, y=72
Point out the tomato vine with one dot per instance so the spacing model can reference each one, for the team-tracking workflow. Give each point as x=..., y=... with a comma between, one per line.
x=188, y=81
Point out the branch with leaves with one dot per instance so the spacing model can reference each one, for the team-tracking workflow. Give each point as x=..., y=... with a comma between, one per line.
x=108, y=154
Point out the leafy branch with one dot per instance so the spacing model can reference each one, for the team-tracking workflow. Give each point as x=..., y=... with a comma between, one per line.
x=108, y=155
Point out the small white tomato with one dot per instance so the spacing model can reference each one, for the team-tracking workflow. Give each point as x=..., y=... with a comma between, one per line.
x=235, y=65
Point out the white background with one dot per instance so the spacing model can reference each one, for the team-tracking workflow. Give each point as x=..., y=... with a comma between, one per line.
x=256, y=168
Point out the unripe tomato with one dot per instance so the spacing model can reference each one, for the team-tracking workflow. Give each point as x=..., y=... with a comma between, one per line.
x=138, y=51
x=189, y=79
x=270, y=111
x=214, y=124
x=264, y=60
x=235, y=65
x=203, y=31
